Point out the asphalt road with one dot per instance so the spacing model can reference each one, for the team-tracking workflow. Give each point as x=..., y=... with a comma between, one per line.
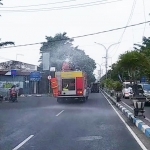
x=40, y=123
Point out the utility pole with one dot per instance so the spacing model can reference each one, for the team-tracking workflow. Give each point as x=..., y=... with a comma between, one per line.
x=100, y=67
x=106, y=61
x=106, y=57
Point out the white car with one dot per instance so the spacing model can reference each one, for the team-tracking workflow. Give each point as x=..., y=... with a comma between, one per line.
x=127, y=91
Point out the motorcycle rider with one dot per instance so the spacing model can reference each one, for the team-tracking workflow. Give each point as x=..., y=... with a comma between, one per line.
x=13, y=90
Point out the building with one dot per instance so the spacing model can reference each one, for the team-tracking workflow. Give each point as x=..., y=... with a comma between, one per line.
x=16, y=73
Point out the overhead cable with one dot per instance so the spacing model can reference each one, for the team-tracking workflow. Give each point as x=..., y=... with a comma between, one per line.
x=80, y=36
x=41, y=4
x=63, y=7
x=129, y=19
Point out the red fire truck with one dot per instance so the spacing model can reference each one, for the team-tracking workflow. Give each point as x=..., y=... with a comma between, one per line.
x=70, y=85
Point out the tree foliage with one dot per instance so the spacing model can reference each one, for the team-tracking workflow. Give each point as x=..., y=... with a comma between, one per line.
x=6, y=43
x=134, y=64
x=145, y=45
x=145, y=50
x=60, y=47
x=111, y=84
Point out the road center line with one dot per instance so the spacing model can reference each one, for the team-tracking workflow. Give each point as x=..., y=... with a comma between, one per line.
x=59, y=113
x=22, y=143
x=128, y=127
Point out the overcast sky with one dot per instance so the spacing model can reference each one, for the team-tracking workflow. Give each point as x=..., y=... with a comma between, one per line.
x=30, y=24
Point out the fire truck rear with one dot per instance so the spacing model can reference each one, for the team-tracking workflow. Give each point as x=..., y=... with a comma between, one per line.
x=70, y=85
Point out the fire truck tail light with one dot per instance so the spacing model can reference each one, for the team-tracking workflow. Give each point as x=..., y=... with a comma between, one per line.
x=79, y=92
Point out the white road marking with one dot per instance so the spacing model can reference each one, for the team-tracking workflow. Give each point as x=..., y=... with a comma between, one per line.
x=127, y=105
x=88, y=138
x=130, y=130
x=59, y=113
x=22, y=143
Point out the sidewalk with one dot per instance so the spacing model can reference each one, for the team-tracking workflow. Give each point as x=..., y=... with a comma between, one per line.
x=141, y=123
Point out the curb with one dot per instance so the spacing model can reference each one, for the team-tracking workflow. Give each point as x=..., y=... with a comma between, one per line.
x=138, y=123
x=36, y=95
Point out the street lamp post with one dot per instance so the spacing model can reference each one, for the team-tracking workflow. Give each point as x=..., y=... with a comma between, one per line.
x=100, y=66
x=106, y=57
x=99, y=70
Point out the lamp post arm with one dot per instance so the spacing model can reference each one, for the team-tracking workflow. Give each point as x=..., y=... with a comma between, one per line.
x=101, y=45
x=112, y=45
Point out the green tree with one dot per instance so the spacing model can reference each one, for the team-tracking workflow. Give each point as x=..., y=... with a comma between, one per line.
x=132, y=65
x=135, y=63
x=60, y=47
x=144, y=47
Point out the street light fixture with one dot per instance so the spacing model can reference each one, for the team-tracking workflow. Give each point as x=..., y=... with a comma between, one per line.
x=106, y=57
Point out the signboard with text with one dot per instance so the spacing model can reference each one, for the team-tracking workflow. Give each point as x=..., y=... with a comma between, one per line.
x=35, y=76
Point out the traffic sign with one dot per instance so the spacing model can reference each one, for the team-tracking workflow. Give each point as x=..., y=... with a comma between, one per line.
x=35, y=76
x=49, y=77
x=143, y=79
x=13, y=72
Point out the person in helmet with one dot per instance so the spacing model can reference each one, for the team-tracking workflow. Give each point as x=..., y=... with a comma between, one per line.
x=13, y=90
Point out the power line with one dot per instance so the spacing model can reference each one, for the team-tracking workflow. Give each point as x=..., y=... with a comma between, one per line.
x=111, y=29
x=129, y=19
x=80, y=36
x=40, y=4
x=63, y=7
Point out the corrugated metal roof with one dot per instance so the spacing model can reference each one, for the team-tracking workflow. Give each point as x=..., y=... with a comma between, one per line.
x=21, y=73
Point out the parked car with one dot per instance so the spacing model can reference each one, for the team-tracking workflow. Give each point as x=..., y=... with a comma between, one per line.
x=146, y=89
